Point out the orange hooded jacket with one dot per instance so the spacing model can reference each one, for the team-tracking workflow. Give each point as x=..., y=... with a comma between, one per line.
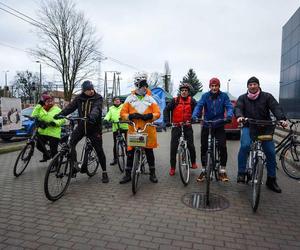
x=146, y=105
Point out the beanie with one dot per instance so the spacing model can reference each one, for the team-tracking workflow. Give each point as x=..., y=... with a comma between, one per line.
x=87, y=85
x=214, y=80
x=46, y=97
x=253, y=79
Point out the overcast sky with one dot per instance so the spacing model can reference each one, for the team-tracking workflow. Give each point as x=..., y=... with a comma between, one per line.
x=228, y=39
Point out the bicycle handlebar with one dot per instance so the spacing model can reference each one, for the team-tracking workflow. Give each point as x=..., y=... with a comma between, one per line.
x=260, y=122
x=175, y=124
x=73, y=118
x=138, y=129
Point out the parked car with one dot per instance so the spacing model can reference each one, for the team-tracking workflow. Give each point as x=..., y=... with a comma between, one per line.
x=233, y=129
x=25, y=131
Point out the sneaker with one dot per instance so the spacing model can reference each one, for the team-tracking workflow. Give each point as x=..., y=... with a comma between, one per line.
x=194, y=165
x=105, y=177
x=201, y=177
x=153, y=177
x=223, y=177
x=172, y=171
x=241, y=178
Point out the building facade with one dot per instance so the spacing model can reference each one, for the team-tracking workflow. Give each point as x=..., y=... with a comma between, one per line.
x=289, y=95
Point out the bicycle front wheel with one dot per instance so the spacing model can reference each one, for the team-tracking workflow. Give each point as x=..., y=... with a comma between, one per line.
x=290, y=160
x=91, y=161
x=136, y=170
x=256, y=182
x=184, y=163
x=23, y=159
x=58, y=176
x=121, y=155
x=208, y=177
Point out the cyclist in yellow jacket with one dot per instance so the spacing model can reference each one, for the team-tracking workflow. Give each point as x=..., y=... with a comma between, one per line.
x=141, y=108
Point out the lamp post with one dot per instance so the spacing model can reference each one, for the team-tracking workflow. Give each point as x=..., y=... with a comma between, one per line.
x=40, y=83
x=228, y=85
x=5, y=87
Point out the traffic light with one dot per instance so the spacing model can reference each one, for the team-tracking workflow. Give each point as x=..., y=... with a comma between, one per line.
x=33, y=86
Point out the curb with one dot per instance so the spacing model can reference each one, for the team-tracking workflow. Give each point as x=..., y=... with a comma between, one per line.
x=11, y=148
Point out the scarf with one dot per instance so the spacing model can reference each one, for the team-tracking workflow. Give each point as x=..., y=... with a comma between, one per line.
x=253, y=96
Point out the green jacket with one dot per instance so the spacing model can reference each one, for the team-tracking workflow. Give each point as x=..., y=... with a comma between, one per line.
x=113, y=115
x=47, y=116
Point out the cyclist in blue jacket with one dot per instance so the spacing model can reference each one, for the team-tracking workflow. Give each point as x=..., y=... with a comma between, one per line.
x=214, y=103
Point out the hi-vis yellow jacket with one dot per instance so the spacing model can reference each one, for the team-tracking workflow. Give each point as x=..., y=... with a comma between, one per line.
x=145, y=105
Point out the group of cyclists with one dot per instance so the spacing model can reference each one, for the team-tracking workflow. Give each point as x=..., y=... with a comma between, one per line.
x=141, y=108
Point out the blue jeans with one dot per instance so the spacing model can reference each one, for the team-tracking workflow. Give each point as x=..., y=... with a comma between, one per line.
x=269, y=150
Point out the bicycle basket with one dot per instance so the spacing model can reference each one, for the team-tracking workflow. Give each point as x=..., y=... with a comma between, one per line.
x=137, y=140
x=262, y=132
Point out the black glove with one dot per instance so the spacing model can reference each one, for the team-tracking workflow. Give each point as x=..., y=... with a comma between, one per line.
x=135, y=116
x=228, y=120
x=147, y=116
x=52, y=124
x=41, y=102
x=168, y=124
x=57, y=116
x=194, y=120
x=42, y=124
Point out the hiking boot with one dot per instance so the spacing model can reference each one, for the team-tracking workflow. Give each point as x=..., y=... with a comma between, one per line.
x=126, y=178
x=241, y=178
x=272, y=184
x=153, y=177
x=172, y=171
x=194, y=165
x=202, y=176
x=105, y=177
x=223, y=175
x=113, y=162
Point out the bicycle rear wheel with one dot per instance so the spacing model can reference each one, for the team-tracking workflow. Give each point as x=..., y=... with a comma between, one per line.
x=184, y=163
x=121, y=155
x=58, y=176
x=208, y=177
x=136, y=171
x=23, y=159
x=256, y=182
x=91, y=161
x=290, y=160
x=217, y=163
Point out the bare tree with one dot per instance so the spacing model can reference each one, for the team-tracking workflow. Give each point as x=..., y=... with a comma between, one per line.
x=68, y=42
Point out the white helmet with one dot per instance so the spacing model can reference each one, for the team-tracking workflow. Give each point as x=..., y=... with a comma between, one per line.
x=138, y=76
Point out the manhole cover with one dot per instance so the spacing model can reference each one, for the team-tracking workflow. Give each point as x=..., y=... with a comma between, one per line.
x=198, y=201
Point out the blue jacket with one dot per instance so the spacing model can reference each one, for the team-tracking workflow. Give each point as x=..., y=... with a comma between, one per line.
x=213, y=108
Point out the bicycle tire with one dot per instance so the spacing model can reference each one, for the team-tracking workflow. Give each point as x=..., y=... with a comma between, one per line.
x=121, y=155
x=91, y=161
x=135, y=173
x=24, y=158
x=257, y=182
x=184, y=165
x=217, y=164
x=60, y=168
x=290, y=160
x=208, y=177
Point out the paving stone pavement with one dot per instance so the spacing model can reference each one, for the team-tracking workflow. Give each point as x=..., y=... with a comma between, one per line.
x=93, y=215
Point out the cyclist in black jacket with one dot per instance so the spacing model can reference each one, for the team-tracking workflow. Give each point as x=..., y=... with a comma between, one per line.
x=88, y=104
x=257, y=104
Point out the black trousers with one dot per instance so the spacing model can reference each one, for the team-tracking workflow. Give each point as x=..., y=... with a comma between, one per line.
x=220, y=135
x=189, y=136
x=149, y=155
x=53, y=142
x=124, y=132
x=96, y=139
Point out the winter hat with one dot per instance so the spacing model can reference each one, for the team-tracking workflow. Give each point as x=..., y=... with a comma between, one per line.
x=46, y=97
x=214, y=80
x=253, y=79
x=87, y=85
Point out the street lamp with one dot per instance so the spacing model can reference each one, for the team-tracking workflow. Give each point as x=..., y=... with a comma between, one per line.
x=228, y=85
x=5, y=87
x=40, y=84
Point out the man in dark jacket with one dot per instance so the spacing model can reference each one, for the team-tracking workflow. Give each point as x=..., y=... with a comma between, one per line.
x=181, y=108
x=214, y=103
x=257, y=104
x=88, y=104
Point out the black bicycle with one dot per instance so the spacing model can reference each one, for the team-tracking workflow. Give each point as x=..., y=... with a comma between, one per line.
x=121, y=147
x=183, y=154
x=212, y=156
x=27, y=152
x=289, y=149
x=61, y=169
x=256, y=161
x=138, y=140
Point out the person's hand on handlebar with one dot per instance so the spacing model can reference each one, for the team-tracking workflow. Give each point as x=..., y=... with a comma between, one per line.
x=135, y=116
x=147, y=117
x=283, y=123
x=241, y=119
x=57, y=116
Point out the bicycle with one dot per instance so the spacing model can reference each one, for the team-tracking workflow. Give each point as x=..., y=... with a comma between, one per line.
x=289, y=149
x=212, y=156
x=257, y=160
x=183, y=154
x=61, y=168
x=138, y=140
x=121, y=148
x=26, y=153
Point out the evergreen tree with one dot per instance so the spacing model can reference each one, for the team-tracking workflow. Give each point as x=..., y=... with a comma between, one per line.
x=192, y=79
